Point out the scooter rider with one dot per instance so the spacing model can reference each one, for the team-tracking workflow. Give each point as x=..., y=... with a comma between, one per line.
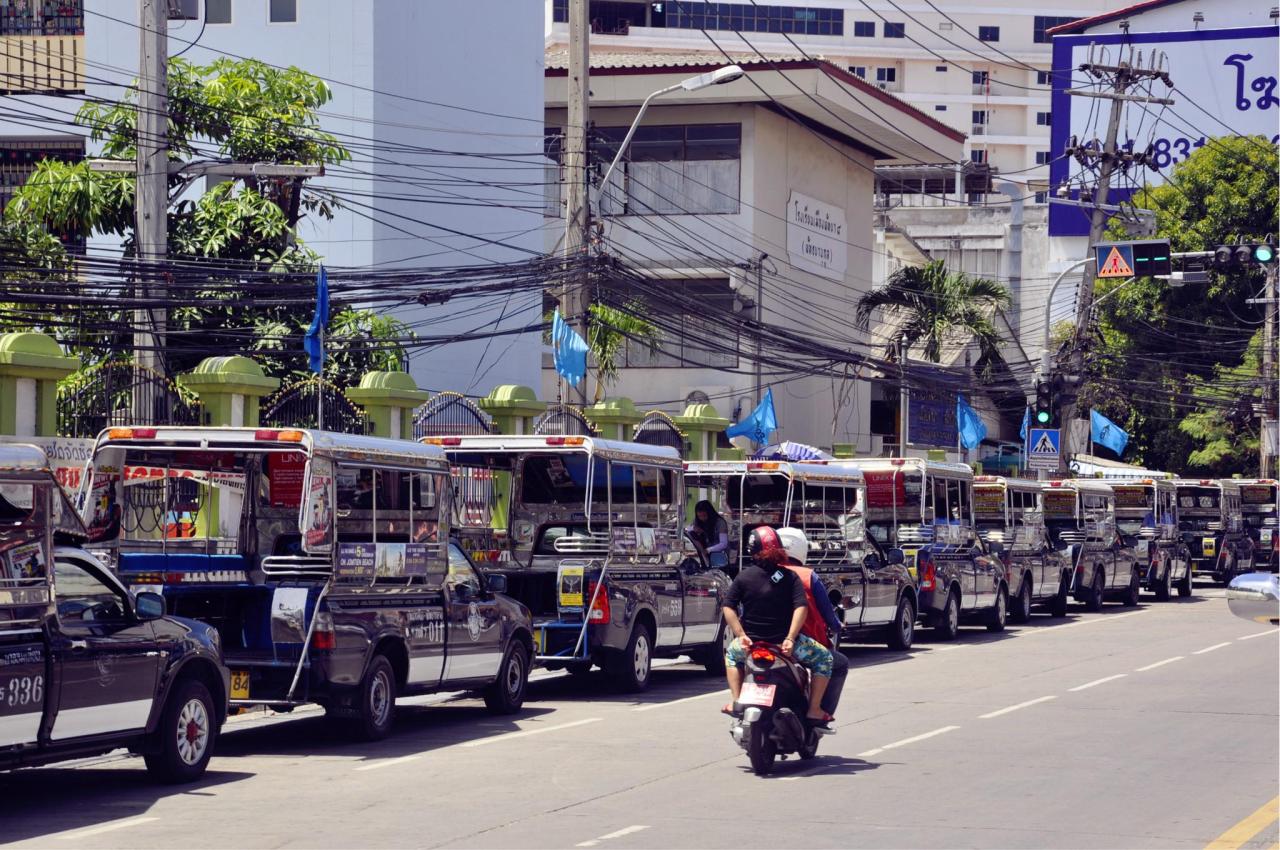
x=822, y=621
x=774, y=609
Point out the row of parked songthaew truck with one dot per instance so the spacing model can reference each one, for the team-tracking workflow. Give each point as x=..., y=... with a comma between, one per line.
x=199, y=571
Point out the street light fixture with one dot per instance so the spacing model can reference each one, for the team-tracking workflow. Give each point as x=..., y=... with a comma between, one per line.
x=718, y=77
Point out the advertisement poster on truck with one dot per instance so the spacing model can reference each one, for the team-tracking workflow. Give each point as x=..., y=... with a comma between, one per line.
x=67, y=457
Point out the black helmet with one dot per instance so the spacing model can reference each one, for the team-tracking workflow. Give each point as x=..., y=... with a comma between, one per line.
x=763, y=541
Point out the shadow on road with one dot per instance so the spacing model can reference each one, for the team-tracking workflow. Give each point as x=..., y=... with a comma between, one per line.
x=818, y=767
x=98, y=794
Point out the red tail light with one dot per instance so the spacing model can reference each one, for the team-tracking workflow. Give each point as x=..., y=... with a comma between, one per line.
x=323, y=636
x=927, y=571
x=600, y=613
x=765, y=655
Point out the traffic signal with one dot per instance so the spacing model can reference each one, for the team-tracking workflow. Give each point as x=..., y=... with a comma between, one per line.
x=1234, y=258
x=1151, y=257
x=1043, y=413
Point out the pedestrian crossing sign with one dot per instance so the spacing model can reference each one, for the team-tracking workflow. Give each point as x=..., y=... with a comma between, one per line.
x=1114, y=260
x=1043, y=448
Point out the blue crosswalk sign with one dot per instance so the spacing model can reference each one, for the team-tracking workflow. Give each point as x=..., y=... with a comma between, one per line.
x=1044, y=445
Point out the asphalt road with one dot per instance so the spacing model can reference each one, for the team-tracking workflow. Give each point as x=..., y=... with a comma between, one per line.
x=1147, y=727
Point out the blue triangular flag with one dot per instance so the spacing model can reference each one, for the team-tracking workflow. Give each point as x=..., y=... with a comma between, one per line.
x=1104, y=432
x=972, y=429
x=1025, y=431
x=759, y=424
x=569, y=350
x=313, y=342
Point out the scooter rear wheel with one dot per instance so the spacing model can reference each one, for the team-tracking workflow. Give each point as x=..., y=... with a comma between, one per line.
x=761, y=748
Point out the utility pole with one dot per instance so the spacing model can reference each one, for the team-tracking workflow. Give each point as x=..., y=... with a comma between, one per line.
x=151, y=203
x=574, y=297
x=758, y=262
x=1123, y=76
x=1270, y=398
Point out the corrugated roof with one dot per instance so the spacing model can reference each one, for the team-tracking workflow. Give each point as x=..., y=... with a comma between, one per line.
x=558, y=59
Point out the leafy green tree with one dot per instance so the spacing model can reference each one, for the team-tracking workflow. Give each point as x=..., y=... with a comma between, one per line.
x=237, y=110
x=1171, y=364
x=608, y=331
x=938, y=305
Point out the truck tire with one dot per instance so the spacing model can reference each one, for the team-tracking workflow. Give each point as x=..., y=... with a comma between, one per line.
x=1058, y=606
x=712, y=657
x=375, y=701
x=1184, y=583
x=1020, y=609
x=186, y=734
x=999, y=613
x=947, y=625
x=1130, y=598
x=632, y=668
x=1097, y=592
x=1164, y=586
x=902, y=631
x=505, y=694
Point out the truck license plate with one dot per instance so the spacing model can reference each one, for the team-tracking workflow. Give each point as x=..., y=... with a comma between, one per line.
x=753, y=694
x=540, y=641
x=239, y=684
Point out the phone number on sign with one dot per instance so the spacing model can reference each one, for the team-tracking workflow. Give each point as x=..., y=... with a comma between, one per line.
x=1167, y=152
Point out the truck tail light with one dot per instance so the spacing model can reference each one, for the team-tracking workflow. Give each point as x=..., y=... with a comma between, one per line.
x=322, y=636
x=131, y=434
x=927, y=570
x=600, y=613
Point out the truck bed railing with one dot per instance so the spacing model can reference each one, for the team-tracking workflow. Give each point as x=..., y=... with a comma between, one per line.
x=296, y=566
x=582, y=544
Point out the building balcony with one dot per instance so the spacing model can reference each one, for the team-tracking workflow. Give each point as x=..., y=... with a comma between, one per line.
x=41, y=64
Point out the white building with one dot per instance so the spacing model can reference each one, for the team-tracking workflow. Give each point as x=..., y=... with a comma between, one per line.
x=414, y=105
x=779, y=163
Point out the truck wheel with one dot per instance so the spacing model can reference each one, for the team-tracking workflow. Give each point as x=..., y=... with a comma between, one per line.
x=1020, y=610
x=1164, y=588
x=996, y=618
x=902, y=631
x=947, y=626
x=713, y=656
x=1130, y=598
x=505, y=694
x=186, y=734
x=1184, y=583
x=1058, y=607
x=1097, y=592
x=376, y=701
x=631, y=668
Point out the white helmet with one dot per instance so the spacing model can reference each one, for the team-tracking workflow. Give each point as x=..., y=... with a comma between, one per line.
x=796, y=544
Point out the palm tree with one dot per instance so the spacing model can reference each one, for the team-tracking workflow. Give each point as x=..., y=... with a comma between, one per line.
x=938, y=305
x=608, y=332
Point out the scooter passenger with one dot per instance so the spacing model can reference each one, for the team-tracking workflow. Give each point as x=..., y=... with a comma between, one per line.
x=774, y=609
x=822, y=621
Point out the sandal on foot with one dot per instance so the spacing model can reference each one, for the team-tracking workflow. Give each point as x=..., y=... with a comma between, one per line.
x=731, y=710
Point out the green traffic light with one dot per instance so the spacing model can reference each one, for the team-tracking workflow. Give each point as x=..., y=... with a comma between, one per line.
x=1263, y=253
x=1042, y=417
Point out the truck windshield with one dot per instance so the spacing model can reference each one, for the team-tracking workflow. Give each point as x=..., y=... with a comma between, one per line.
x=753, y=492
x=1258, y=503
x=562, y=480
x=1199, y=499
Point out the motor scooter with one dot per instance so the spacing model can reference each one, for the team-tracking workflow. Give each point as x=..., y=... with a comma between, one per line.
x=769, y=716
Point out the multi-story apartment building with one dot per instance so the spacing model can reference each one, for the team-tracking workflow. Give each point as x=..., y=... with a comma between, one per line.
x=979, y=67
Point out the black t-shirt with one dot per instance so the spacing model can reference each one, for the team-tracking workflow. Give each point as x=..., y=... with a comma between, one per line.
x=769, y=598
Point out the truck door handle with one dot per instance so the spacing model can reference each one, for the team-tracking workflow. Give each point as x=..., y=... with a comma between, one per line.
x=79, y=644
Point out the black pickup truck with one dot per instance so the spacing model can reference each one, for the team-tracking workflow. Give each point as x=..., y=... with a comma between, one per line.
x=85, y=668
x=323, y=560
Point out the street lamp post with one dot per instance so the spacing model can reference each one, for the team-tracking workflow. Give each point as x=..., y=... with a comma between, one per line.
x=1048, y=306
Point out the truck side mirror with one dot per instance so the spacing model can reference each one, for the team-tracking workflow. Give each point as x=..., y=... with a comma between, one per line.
x=996, y=547
x=895, y=556
x=872, y=561
x=148, y=605
x=496, y=583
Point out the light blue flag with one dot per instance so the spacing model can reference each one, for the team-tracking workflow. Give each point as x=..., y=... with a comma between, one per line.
x=313, y=342
x=569, y=350
x=970, y=425
x=1104, y=432
x=1025, y=431
x=760, y=424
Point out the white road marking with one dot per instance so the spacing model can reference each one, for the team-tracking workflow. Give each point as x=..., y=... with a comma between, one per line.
x=1259, y=634
x=1105, y=618
x=678, y=701
x=906, y=741
x=387, y=763
x=1211, y=648
x=1026, y=704
x=1104, y=679
x=869, y=753
x=480, y=742
x=1160, y=663
x=617, y=834
x=106, y=827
